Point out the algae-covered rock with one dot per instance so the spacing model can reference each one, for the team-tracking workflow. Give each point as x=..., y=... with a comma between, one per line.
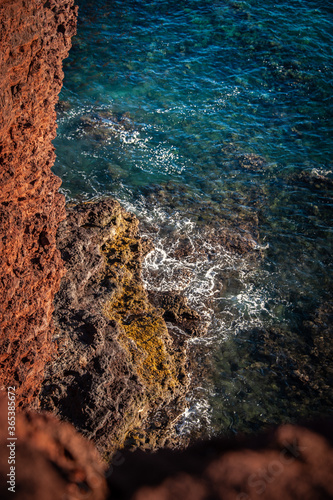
x=120, y=375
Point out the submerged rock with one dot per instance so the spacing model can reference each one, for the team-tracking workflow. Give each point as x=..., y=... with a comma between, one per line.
x=237, y=158
x=251, y=161
x=293, y=367
x=102, y=125
x=62, y=106
x=314, y=178
x=121, y=376
x=216, y=231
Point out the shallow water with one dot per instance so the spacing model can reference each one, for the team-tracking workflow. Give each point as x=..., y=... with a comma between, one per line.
x=164, y=106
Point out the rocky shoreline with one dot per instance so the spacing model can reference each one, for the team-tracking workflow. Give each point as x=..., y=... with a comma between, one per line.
x=110, y=360
x=120, y=375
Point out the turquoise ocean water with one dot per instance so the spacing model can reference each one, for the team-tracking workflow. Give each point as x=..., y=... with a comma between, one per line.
x=196, y=112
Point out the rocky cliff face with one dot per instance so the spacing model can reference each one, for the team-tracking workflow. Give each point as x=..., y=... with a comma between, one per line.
x=35, y=36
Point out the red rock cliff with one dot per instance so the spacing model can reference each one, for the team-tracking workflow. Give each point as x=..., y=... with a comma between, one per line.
x=35, y=37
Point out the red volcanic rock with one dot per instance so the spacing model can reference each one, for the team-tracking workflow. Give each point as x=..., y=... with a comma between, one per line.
x=52, y=461
x=35, y=37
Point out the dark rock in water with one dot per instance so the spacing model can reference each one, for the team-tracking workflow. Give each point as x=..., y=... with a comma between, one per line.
x=177, y=311
x=117, y=172
x=301, y=370
x=314, y=178
x=101, y=125
x=239, y=159
x=120, y=377
x=62, y=106
x=241, y=238
x=251, y=161
x=319, y=330
x=146, y=246
x=236, y=232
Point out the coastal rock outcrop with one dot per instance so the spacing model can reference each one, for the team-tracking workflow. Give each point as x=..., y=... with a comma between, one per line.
x=35, y=37
x=118, y=371
x=122, y=376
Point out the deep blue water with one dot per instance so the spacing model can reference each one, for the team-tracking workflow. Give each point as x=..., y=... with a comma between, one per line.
x=163, y=102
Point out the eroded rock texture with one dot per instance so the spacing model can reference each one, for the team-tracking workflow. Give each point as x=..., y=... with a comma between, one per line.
x=121, y=377
x=35, y=37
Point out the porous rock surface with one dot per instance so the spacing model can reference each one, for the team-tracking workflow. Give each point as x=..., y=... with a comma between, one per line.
x=120, y=376
x=35, y=36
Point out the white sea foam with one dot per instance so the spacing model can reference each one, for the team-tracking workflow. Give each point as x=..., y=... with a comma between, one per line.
x=84, y=122
x=200, y=276
x=197, y=414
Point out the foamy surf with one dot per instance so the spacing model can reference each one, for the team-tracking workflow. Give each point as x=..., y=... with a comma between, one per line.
x=199, y=275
